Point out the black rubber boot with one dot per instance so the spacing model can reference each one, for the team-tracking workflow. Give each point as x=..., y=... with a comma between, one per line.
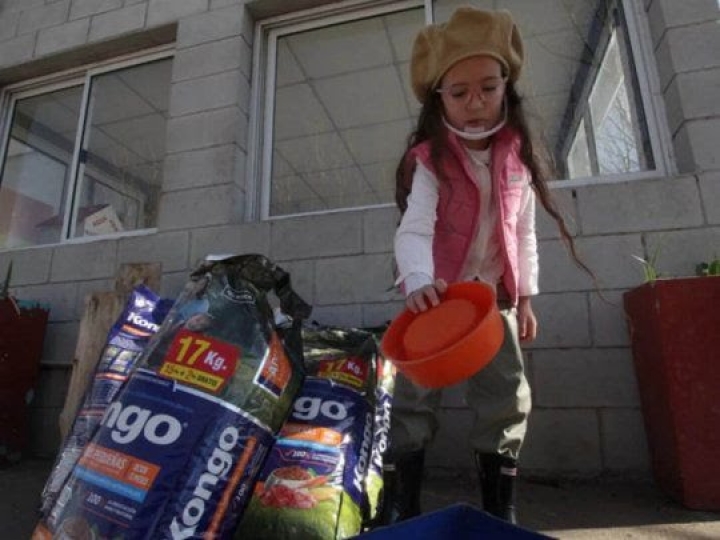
x=497, y=481
x=402, y=482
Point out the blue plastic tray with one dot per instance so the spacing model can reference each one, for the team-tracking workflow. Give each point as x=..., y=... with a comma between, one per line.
x=456, y=522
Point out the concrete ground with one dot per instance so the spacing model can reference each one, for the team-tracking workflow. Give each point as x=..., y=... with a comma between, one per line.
x=572, y=510
x=597, y=509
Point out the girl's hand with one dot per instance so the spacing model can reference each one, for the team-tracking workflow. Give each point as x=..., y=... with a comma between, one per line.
x=527, y=323
x=425, y=297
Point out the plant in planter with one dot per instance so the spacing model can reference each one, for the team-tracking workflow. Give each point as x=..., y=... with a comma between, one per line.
x=22, y=330
x=708, y=269
x=675, y=339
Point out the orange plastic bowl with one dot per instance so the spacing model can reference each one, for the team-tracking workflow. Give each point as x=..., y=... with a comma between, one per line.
x=449, y=342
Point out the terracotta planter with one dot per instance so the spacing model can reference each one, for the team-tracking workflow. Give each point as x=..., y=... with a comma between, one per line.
x=675, y=335
x=22, y=331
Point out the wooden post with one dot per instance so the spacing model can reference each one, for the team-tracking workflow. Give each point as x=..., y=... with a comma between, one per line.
x=101, y=310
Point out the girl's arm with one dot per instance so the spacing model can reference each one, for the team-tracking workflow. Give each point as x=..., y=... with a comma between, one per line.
x=527, y=322
x=527, y=245
x=527, y=266
x=413, y=243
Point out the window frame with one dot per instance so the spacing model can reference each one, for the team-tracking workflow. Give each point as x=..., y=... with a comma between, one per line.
x=79, y=76
x=260, y=134
x=643, y=62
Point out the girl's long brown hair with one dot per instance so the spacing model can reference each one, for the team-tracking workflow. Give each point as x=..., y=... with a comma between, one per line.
x=430, y=127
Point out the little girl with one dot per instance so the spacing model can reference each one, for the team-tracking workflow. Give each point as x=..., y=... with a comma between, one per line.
x=466, y=187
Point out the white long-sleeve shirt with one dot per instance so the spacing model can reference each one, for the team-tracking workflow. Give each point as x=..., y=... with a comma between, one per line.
x=414, y=236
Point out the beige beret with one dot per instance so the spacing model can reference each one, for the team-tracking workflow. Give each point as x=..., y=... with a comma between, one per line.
x=469, y=32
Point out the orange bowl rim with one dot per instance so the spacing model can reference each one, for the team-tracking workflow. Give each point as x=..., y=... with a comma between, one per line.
x=481, y=321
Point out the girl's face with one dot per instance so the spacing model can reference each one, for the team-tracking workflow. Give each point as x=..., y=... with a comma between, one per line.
x=472, y=94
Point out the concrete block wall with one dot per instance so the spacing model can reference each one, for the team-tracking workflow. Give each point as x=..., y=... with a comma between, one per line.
x=587, y=417
x=686, y=38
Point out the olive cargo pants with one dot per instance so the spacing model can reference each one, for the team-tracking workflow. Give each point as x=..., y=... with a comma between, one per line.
x=498, y=396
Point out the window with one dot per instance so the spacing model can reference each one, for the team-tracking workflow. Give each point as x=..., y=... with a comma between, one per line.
x=606, y=132
x=333, y=109
x=84, y=156
x=337, y=109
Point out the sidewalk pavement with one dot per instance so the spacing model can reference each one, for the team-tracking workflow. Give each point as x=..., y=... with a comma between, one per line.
x=598, y=509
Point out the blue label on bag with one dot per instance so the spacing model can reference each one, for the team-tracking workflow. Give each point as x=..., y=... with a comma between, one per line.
x=168, y=461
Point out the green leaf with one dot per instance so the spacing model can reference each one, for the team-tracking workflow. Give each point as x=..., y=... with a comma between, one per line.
x=649, y=270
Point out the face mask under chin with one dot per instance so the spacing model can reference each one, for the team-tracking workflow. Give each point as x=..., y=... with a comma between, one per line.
x=477, y=135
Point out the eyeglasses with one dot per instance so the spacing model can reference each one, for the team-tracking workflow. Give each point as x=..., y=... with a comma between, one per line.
x=462, y=93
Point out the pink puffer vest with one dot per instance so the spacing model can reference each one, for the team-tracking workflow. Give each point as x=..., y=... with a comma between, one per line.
x=459, y=202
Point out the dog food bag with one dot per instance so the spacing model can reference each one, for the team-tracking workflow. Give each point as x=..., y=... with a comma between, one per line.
x=140, y=319
x=178, y=451
x=313, y=484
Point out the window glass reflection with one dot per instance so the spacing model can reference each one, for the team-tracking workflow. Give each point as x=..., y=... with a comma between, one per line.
x=38, y=158
x=343, y=110
x=123, y=150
